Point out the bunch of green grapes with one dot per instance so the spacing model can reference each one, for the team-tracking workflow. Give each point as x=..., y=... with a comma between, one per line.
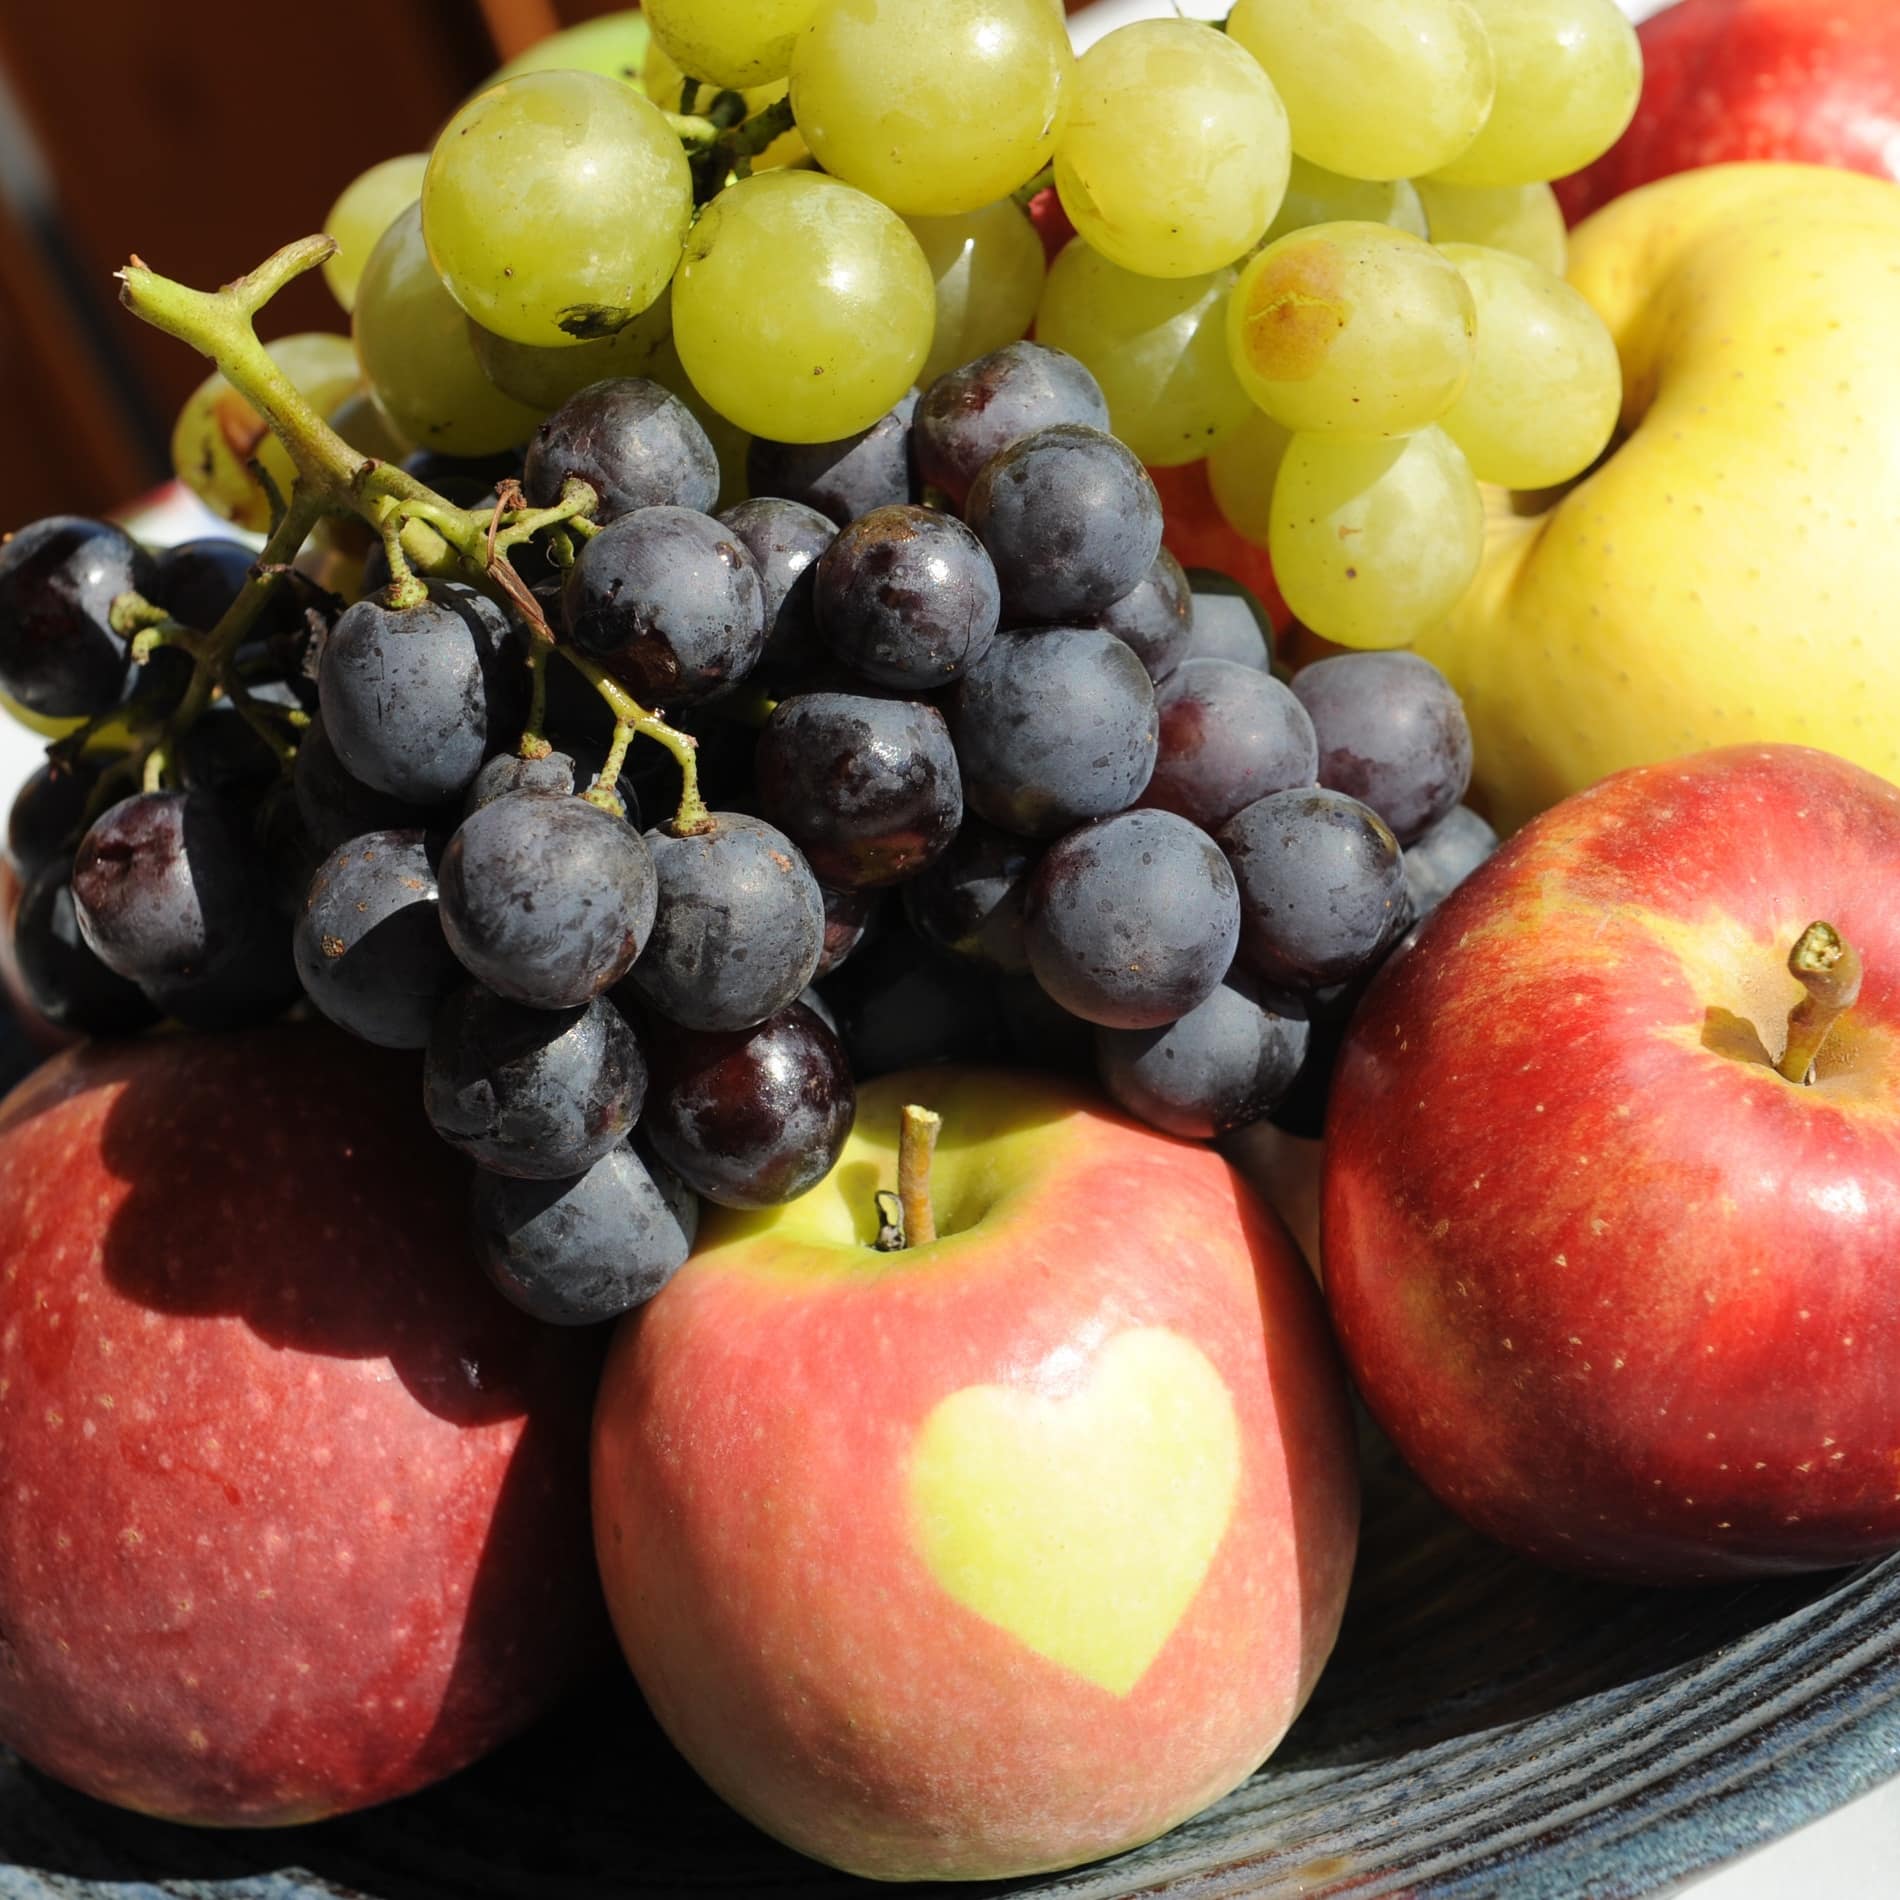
x=1318, y=248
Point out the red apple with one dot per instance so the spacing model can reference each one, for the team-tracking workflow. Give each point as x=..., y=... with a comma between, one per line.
x=295, y=1504
x=1816, y=80
x=996, y=1554
x=1620, y=1294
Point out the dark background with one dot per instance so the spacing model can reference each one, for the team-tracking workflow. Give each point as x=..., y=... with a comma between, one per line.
x=201, y=136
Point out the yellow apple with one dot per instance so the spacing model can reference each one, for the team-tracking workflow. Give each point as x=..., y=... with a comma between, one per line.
x=1730, y=571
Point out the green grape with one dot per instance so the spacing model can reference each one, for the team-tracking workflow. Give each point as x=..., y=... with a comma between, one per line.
x=544, y=379
x=1373, y=88
x=1546, y=389
x=218, y=434
x=1524, y=219
x=933, y=106
x=1374, y=542
x=663, y=82
x=730, y=42
x=1317, y=196
x=803, y=309
x=1352, y=327
x=363, y=213
x=412, y=341
x=554, y=207
x=366, y=427
x=989, y=270
x=1242, y=468
x=613, y=46
x=1157, y=346
x=729, y=441
x=1174, y=158
x=1569, y=72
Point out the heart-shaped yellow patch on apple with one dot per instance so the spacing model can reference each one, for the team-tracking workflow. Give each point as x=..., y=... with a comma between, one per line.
x=1083, y=1523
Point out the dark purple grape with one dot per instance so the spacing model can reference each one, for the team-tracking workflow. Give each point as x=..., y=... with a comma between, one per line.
x=1053, y=727
x=415, y=698
x=867, y=788
x=369, y=946
x=1071, y=520
x=336, y=807
x=1155, y=617
x=1227, y=1062
x=1445, y=856
x=1132, y=921
x=589, y=1248
x=547, y=900
x=1322, y=886
x=740, y=928
x=969, y=416
x=908, y=598
x=48, y=815
x=196, y=581
x=169, y=888
x=1229, y=623
x=65, y=982
x=970, y=902
x=58, y=579
x=509, y=772
x=901, y=1006
x=635, y=443
x=750, y=1117
x=848, y=916
x=786, y=539
x=1039, y=1033
x=1392, y=734
x=842, y=479
x=538, y=1093
x=670, y=602
x=1230, y=734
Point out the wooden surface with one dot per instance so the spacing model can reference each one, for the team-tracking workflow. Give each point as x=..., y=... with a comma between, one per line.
x=201, y=137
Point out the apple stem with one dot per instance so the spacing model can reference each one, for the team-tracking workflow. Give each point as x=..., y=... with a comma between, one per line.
x=916, y=1143
x=1828, y=968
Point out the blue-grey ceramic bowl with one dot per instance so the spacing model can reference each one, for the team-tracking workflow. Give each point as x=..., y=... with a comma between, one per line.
x=1486, y=1728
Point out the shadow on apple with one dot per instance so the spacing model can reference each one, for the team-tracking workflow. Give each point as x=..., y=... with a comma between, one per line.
x=299, y=1516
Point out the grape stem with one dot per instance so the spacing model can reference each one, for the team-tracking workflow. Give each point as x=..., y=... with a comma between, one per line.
x=1828, y=967
x=765, y=126
x=1026, y=193
x=422, y=533
x=692, y=818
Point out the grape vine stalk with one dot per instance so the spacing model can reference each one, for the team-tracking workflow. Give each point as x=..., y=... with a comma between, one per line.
x=422, y=533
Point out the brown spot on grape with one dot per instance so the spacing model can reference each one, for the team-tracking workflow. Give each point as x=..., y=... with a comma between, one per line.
x=1296, y=309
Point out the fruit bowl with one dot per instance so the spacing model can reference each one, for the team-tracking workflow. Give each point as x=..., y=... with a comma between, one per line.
x=1487, y=1727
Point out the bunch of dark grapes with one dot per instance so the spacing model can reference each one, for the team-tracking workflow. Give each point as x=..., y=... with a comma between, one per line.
x=983, y=773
